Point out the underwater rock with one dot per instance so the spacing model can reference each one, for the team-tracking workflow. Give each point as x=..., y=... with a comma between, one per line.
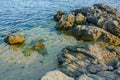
x=89, y=58
x=15, y=39
x=38, y=46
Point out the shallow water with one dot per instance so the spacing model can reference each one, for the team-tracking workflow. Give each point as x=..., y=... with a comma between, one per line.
x=33, y=19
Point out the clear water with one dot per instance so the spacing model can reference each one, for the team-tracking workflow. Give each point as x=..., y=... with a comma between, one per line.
x=33, y=19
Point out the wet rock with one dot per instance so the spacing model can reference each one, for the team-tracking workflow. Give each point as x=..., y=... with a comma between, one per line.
x=66, y=22
x=84, y=77
x=15, y=39
x=58, y=16
x=56, y=75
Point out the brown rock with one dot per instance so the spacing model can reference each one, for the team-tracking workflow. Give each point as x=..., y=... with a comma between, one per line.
x=15, y=39
x=80, y=19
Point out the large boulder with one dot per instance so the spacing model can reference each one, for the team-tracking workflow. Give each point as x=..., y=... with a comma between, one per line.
x=88, y=33
x=15, y=39
x=56, y=75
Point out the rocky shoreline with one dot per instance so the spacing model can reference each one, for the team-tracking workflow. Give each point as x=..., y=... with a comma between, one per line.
x=99, y=59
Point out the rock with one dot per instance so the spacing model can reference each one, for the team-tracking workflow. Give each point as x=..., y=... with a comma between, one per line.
x=56, y=75
x=94, y=68
x=15, y=39
x=112, y=27
x=92, y=19
x=58, y=16
x=84, y=77
x=66, y=22
x=88, y=58
x=38, y=46
x=79, y=19
x=88, y=33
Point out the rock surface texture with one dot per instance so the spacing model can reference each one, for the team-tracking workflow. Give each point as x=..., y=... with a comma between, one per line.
x=96, y=60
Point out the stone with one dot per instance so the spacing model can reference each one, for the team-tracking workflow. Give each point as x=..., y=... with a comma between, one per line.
x=58, y=16
x=112, y=27
x=56, y=75
x=38, y=46
x=79, y=19
x=88, y=33
x=85, y=77
x=66, y=22
x=15, y=39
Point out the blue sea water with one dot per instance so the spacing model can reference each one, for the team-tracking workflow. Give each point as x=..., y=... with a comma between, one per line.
x=34, y=20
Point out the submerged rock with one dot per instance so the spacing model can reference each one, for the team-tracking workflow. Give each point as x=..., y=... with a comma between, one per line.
x=56, y=75
x=15, y=39
x=38, y=46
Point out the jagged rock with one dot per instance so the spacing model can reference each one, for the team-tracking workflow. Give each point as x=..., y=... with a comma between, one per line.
x=66, y=22
x=56, y=75
x=15, y=39
x=58, y=16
